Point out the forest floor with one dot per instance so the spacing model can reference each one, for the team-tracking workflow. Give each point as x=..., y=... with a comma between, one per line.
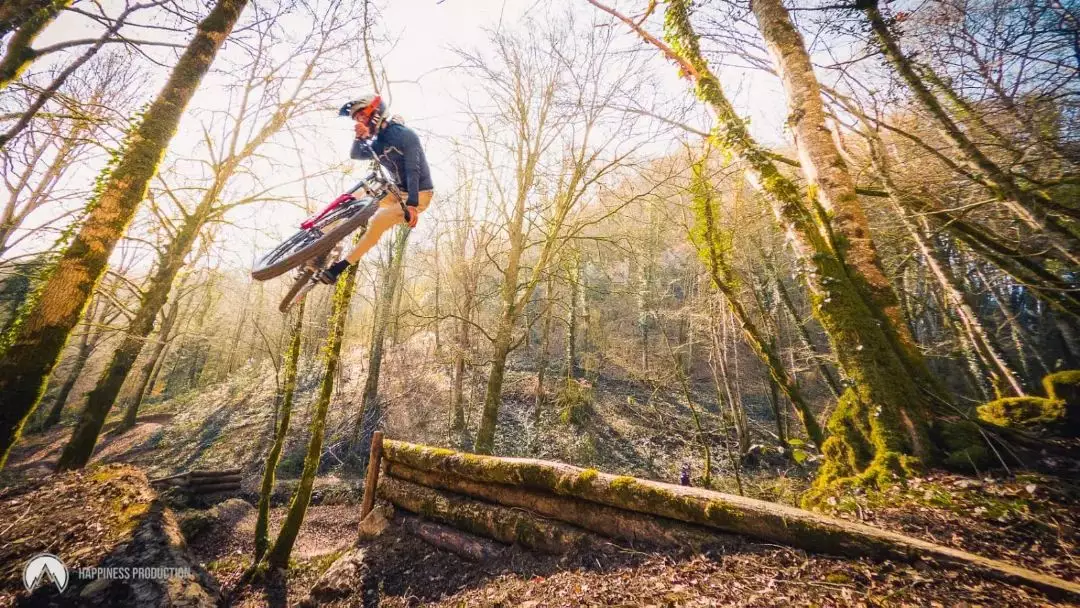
x=402, y=571
x=632, y=428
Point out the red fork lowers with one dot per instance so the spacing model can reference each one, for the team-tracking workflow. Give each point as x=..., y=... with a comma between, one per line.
x=309, y=223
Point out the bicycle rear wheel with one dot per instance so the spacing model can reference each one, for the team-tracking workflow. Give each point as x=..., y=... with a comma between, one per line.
x=311, y=243
x=297, y=291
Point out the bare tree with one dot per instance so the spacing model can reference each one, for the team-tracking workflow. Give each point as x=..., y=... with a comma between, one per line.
x=33, y=349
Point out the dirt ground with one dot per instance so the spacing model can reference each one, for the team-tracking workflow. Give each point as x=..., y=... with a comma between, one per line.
x=402, y=571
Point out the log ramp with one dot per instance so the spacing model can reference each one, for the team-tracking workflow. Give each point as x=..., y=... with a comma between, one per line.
x=558, y=508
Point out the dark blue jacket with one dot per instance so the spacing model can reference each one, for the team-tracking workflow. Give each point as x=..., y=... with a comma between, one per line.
x=399, y=150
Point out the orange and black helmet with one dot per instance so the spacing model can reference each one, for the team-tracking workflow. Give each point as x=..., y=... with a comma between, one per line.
x=372, y=108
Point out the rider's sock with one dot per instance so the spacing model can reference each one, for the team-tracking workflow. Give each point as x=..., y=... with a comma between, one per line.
x=338, y=267
x=329, y=275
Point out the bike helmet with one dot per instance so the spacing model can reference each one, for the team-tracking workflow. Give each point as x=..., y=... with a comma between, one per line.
x=372, y=106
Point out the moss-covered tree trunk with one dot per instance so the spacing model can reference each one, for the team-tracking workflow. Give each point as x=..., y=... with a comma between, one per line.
x=714, y=248
x=624, y=525
x=511, y=526
x=370, y=415
x=831, y=184
x=881, y=421
x=1030, y=207
x=573, y=277
x=278, y=557
x=288, y=390
x=28, y=21
x=804, y=334
x=457, y=382
x=86, y=346
x=147, y=373
x=80, y=447
x=504, y=335
x=55, y=309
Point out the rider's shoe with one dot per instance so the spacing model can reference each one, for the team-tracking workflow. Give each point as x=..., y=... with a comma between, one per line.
x=330, y=274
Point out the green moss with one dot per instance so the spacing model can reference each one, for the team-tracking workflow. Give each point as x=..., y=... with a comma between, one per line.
x=838, y=578
x=966, y=449
x=582, y=480
x=229, y=564
x=866, y=448
x=574, y=401
x=1060, y=384
x=316, y=565
x=1023, y=411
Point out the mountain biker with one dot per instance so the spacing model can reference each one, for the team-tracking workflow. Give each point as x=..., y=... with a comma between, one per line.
x=397, y=148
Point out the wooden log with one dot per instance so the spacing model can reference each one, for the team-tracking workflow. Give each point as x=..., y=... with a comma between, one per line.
x=202, y=481
x=214, y=488
x=178, y=478
x=463, y=544
x=207, y=473
x=371, y=482
x=737, y=514
x=503, y=524
x=608, y=521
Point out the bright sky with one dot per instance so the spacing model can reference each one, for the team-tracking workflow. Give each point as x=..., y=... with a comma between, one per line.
x=425, y=84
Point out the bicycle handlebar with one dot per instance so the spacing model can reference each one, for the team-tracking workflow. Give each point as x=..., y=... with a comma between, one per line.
x=380, y=171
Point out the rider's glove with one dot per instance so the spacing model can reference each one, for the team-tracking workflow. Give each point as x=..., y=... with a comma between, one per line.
x=411, y=216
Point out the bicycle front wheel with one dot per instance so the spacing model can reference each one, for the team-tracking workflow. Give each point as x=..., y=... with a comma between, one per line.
x=318, y=240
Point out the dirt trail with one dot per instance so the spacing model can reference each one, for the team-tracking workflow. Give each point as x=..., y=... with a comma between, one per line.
x=36, y=454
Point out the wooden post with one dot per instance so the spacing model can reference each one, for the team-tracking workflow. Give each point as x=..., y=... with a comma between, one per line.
x=372, y=479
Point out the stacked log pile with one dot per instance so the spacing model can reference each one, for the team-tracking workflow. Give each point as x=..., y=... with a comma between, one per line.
x=203, y=483
x=558, y=508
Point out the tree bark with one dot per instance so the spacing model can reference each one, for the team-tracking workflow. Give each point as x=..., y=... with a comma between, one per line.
x=720, y=372
x=467, y=282
x=278, y=556
x=511, y=526
x=462, y=544
x=19, y=53
x=804, y=334
x=288, y=390
x=27, y=362
x=485, y=434
x=608, y=521
x=86, y=346
x=147, y=374
x=573, y=275
x=542, y=362
x=370, y=416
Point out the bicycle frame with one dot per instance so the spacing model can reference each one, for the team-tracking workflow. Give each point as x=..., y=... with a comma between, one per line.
x=309, y=223
x=378, y=178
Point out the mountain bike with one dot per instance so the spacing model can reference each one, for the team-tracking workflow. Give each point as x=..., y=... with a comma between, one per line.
x=319, y=240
